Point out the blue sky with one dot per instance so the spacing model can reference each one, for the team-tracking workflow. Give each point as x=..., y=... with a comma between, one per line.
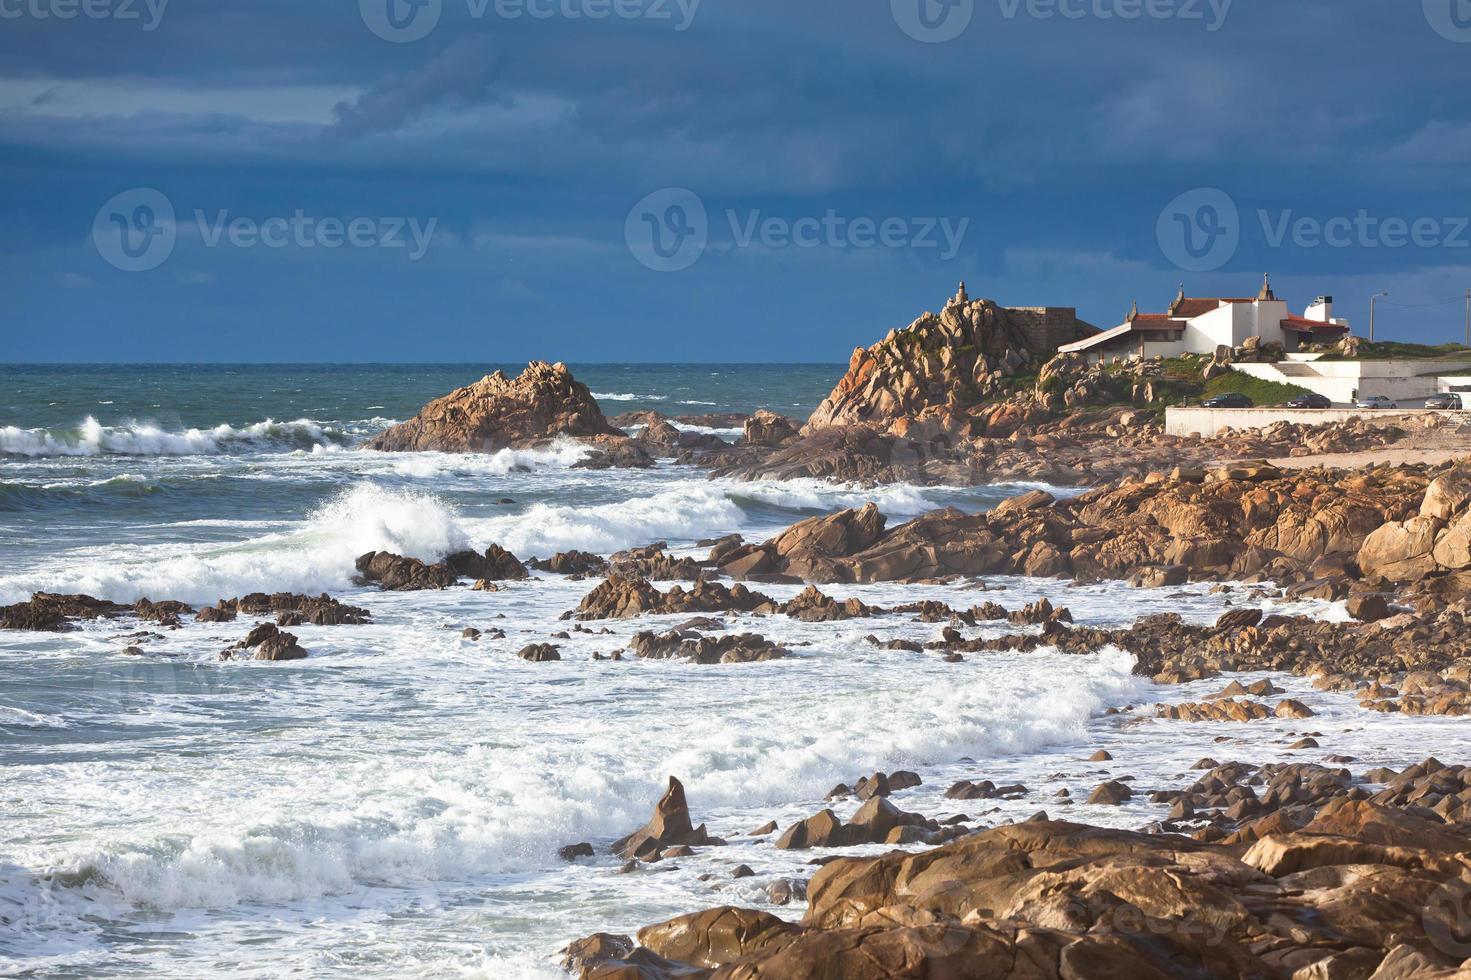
x=1046, y=154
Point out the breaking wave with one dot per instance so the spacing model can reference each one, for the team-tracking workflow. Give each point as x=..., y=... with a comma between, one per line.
x=92, y=438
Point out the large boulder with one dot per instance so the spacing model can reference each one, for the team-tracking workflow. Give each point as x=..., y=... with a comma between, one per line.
x=766, y=428
x=497, y=412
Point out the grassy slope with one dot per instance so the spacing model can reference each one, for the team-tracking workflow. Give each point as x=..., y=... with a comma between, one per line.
x=1259, y=391
x=1395, y=350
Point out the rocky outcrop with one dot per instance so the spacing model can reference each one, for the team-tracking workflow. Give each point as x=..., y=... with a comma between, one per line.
x=766, y=428
x=620, y=597
x=288, y=608
x=1247, y=521
x=1320, y=884
x=808, y=550
x=395, y=573
x=54, y=613
x=877, y=822
x=577, y=564
x=539, y=653
x=812, y=606
x=1436, y=539
x=742, y=648
x=268, y=642
x=1171, y=651
x=670, y=827
x=496, y=564
x=497, y=412
x=653, y=563
x=925, y=379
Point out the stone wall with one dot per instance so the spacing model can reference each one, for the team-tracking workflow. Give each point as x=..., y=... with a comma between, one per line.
x=1047, y=328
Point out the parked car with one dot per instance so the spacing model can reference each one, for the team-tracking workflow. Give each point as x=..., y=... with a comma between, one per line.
x=1311, y=399
x=1375, y=401
x=1231, y=399
x=1446, y=399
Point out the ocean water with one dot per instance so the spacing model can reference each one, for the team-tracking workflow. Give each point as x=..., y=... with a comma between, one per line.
x=393, y=805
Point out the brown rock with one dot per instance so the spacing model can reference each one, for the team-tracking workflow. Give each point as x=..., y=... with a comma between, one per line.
x=497, y=413
x=670, y=826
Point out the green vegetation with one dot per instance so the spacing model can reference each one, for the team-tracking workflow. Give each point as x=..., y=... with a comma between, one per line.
x=1179, y=381
x=1259, y=391
x=1394, y=350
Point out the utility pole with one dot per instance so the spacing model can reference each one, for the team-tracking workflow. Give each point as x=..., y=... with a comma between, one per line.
x=1372, y=300
x=1468, y=318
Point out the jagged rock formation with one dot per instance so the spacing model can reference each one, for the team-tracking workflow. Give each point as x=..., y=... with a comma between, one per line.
x=926, y=377
x=497, y=412
x=670, y=827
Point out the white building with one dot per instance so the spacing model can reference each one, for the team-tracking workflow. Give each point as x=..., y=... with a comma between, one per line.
x=1199, y=326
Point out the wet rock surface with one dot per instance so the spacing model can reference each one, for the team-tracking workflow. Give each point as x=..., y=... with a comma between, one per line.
x=1295, y=870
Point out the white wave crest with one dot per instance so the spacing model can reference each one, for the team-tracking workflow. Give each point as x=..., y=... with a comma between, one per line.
x=317, y=557
x=92, y=438
x=683, y=513
x=604, y=396
x=503, y=807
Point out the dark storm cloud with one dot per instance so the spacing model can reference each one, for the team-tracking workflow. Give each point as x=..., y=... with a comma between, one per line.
x=1059, y=139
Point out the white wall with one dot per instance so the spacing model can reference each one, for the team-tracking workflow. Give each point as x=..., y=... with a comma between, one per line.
x=1344, y=381
x=1209, y=421
x=1209, y=330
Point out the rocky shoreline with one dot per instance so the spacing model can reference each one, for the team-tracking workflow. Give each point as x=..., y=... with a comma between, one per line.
x=1302, y=870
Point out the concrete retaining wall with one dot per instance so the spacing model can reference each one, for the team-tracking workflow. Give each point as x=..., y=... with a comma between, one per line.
x=1209, y=421
x=1347, y=381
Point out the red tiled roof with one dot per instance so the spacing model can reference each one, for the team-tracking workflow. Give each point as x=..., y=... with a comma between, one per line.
x=1304, y=325
x=1192, y=307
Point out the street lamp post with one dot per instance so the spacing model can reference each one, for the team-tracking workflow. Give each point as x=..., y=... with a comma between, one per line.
x=1372, y=300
